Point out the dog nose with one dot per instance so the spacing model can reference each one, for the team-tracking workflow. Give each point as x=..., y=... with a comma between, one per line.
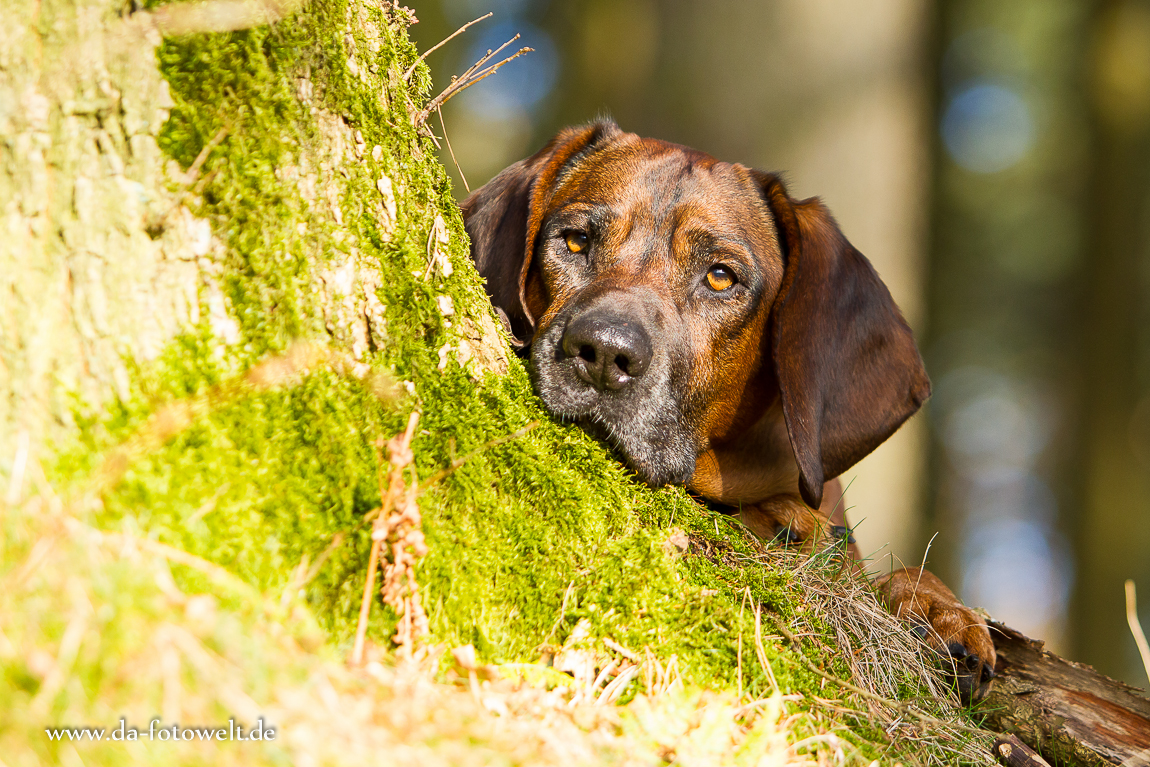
x=608, y=351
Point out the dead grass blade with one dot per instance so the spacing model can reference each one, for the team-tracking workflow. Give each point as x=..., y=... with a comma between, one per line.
x=885, y=658
x=1136, y=626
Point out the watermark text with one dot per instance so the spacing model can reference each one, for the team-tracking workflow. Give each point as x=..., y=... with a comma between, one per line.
x=157, y=731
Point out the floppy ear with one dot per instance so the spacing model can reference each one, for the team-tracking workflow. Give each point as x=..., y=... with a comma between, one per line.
x=848, y=369
x=503, y=219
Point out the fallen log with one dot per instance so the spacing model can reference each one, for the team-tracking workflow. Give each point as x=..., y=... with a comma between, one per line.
x=1066, y=711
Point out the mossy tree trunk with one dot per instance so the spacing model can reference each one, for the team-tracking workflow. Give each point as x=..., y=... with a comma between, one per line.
x=178, y=211
x=175, y=212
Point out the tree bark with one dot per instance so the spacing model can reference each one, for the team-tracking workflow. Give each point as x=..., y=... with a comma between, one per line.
x=83, y=288
x=1065, y=710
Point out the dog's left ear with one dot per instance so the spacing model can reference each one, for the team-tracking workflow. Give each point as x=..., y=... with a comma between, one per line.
x=848, y=369
x=503, y=219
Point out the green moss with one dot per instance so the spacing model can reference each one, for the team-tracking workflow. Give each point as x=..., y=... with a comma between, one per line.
x=264, y=481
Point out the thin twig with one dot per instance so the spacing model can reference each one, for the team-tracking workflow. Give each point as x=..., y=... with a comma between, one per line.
x=437, y=46
x=562, y=612
x=465, y=83
x=621, y=649
x=477, y=66
x=473, y=75
x=192, y=183
x=1136, y=626
x=202, y=184
x=786, y=632
x=365, y=604
x=193, y=171
x=451, y=151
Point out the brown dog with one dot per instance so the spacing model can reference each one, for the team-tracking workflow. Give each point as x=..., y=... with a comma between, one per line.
x=718, y=333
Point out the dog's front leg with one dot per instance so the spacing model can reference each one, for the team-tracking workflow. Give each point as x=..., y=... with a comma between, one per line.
x=955, y=631
x=788, y=519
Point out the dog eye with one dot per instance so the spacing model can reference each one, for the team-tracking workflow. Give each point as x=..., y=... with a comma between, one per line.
x=720, y=277
x=576, y=241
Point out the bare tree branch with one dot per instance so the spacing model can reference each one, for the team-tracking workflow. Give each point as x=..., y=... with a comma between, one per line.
x=473, y=75
x=429, y=51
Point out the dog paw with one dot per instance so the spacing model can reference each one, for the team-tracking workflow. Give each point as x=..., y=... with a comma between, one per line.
x=957, y=633
x=790, y=522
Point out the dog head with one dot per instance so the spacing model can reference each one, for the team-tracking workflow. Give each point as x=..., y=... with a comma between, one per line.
x=717, y=332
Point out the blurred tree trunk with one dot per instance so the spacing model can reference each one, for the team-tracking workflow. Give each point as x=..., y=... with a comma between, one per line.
x=81, y=282
x=1114, y=526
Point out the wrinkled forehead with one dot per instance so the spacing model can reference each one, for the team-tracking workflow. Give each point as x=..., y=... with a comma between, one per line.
x=666, y=184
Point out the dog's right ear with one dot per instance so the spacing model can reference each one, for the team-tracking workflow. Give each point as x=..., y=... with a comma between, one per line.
x=503, y=219
x=848, y=369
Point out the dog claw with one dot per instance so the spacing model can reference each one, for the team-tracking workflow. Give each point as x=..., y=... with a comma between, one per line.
x=839, y=531
x=790, y=535
x=971, y=674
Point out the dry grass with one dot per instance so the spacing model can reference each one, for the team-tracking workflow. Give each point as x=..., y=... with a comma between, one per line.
x=888, y=662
